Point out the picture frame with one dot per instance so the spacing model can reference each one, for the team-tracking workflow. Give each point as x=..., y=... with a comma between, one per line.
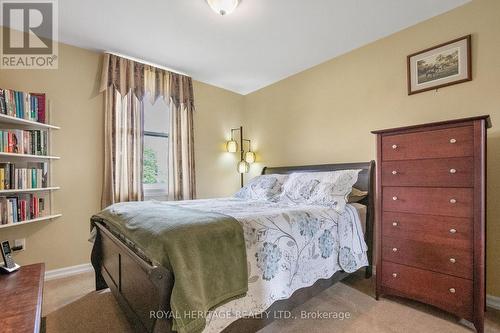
x=440, y=66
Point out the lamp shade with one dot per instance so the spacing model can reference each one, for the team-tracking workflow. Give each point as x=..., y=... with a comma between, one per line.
x=243, y=167
x=223, y=7
x=232, y=146
x=250, y=157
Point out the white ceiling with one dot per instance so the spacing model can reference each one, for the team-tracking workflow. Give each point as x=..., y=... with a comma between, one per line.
x=262, y=42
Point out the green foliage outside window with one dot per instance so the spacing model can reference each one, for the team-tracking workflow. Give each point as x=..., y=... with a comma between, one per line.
x=150, y=166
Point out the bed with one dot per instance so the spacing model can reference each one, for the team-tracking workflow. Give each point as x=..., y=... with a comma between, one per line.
x=141, y=285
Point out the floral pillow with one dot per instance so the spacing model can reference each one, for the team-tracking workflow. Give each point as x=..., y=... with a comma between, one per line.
x=264, y=187
x=320, y=188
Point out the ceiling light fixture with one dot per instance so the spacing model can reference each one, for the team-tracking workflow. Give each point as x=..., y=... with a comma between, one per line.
x=223, y=7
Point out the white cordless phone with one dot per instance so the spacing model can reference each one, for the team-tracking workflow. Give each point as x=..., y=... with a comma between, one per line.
x=9, y=264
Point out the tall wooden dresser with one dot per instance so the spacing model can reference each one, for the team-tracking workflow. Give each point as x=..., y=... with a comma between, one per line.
x=431, y=200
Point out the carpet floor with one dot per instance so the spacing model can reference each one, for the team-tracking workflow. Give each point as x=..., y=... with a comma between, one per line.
x=71, y=305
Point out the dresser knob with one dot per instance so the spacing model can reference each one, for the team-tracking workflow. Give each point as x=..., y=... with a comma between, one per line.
x=453, y=170
x=394, y=198
x=394, y=146
x=453, y=231
x=395, y=224
x=394, y=275
x=453, y=140
x=394, y=249
x=453, y=201
x=453, y=260
x=394, y=172
x=452, y=290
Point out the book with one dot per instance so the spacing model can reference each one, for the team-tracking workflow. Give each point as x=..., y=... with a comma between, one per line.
x=12, y=99
x=33, y=142
x=22, y=176
x=23, y=207
x=3, y=211
x=40, y=107
x=13, y=216
x=3, y=105
x=23, y=105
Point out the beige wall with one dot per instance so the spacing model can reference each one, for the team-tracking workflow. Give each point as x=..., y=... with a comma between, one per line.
x=325, y=114
x=217, y=111
x=78, y=109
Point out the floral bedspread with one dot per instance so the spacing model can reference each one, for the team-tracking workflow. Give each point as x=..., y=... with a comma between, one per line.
x=288, y=247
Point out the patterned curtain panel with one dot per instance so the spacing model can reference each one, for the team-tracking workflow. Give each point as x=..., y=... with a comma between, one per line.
x=125, y=83
x=123, y=150
x=181, y=177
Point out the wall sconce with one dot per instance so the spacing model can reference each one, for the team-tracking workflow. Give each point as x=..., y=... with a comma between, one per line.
x=232, y=146
x=250, y=157
x=243, y=167
x=246, y=157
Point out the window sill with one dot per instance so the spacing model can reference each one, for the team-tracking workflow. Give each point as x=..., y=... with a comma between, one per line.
x=155, y=194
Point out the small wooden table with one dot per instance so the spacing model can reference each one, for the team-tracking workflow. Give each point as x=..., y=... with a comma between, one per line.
x=21, y=299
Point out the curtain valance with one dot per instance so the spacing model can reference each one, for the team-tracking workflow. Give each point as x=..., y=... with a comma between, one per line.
x=127, y=76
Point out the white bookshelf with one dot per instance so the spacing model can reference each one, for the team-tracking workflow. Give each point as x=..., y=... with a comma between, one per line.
x=29, y=157
x=9, y=122
x=39, y=219
x=29, y=190
x=27, y=124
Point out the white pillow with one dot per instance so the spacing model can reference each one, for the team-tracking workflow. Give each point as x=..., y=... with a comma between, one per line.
x=320, y=188
x=264, y=187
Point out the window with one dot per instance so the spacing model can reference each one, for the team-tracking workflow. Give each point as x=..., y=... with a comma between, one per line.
x=155, y=157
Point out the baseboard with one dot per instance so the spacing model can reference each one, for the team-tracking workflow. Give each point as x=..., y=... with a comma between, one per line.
x=67, y=271
x=493, y=301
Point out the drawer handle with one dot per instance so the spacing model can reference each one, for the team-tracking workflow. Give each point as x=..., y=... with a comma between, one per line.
x=453, y=260
x=452, y=290
x=394, y=198
x=394, y=275
x=453, y=201
x=453, y=170
x=394, y=172
x=394, y=249
x=394, y=146
x=395, y=224
x=453, y=231
x=453, y=140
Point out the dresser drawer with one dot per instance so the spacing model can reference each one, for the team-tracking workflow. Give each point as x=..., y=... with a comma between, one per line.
x=444, y=291
x=435, y=257
x=450, y=142
x=431, y=200
x=446, y=172
x=444, y=230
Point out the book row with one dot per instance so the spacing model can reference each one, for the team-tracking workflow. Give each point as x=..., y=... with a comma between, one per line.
x=34, y=142
x=19, y=104
x=20, y=177
x=21, y=208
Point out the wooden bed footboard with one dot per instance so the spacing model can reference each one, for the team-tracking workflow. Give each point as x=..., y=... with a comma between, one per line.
x=139, y=287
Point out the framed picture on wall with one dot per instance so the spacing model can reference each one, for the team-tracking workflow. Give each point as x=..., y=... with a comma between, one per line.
x=440, y=66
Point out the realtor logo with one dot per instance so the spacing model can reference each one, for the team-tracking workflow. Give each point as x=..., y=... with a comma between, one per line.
x=29, y=34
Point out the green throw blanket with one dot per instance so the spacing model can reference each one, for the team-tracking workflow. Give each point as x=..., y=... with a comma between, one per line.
x=205, y=252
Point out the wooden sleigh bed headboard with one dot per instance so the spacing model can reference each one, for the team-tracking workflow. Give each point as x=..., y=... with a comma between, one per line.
x=365, y=178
